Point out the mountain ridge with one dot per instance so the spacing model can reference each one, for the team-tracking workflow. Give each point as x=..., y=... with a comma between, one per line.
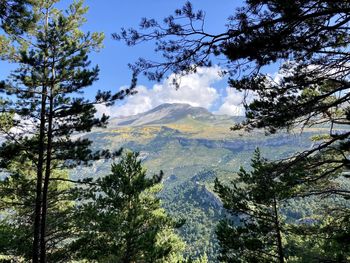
x=170, y=113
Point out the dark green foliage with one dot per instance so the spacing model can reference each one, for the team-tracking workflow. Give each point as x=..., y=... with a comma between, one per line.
x=121, y=219
x=253, y=198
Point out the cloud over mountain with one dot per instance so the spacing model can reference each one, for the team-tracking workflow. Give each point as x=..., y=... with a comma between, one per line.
x=196, y=89
x=232, y=103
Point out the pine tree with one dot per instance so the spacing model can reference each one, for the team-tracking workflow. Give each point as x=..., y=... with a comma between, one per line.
x=122, y=219
x=44, y=93
x=253, y=199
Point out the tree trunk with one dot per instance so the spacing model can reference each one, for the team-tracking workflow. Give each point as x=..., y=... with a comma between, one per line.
x=278, y=234
x=127, y=258
x=40, y=166
x=37, y=212
x=46, y=183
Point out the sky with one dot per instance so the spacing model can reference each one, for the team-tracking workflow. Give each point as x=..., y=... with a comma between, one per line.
x=205, y=89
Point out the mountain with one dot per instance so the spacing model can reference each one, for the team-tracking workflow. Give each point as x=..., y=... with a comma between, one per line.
x=193, y=147
x=169, y=113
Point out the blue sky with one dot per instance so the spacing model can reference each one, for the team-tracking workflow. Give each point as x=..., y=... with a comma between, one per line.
x=110, y=16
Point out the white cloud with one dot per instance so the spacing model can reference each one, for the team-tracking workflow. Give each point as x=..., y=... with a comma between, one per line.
x=102, y=109
x=232, y=103
x=195, y=89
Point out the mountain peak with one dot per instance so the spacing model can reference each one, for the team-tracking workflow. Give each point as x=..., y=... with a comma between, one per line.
x=173, y=105
x=163, y=114
x=179, y=108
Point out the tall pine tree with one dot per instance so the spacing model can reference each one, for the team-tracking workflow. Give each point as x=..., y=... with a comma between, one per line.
x=44, y=94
